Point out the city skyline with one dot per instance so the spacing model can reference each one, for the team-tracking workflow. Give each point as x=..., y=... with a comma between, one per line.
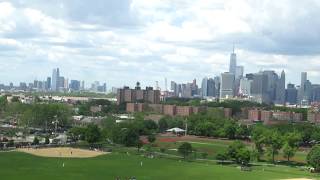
x=148, y=41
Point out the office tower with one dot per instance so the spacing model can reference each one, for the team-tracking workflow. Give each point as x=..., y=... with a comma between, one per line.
x=55, y=79
x=48, y=84
x=259, y=88
x=194, y=88
x=82, y=86
x=245, y=87
x=272, y=84
x=35, y=83
x=66, y=83
x=217, y=86
x=204, y=87
x=291, y=94
x=75, y=85
x=211, y=88
x=23, y=86
x=207, y=87
x=61, y=83
x=227, y=85
x=302, y=90
x=315, y=95
x=233, y=62
x=239, y=72
x=281, y=89
x=175, y=89
x=102, y=88
x=186, y=90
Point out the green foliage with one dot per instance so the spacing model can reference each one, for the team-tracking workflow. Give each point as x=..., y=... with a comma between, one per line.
x=3, y=103
x=288, y=151
x=46, y=140
x=139, y=145
x=93, y=134
x=43, y=115
x=77, y=133
x=15, y=99
x=185, y=149
x=273, y=141
x=151, y=138
x=107, y=107
x=313, y=158
x=163, y=124
x=204, y=155
x=222, y=156
x=35, y=141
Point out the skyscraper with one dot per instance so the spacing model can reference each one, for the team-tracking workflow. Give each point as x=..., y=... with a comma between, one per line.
x=211, y=88
x=259, y=88
x=302, y=90
x=227, y=85
x=281, y=89
x=55, y=79
x=48, y=83
x=204, y=87
x=233, y=63
x=245, y=87
x=207, y=87
x=291, y=94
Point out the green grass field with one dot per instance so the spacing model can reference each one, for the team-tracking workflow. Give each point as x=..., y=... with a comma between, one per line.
x=17, y=166
x=215, y=146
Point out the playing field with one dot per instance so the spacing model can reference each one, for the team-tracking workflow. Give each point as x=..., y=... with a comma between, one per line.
x=62, y=152
x=18, y=165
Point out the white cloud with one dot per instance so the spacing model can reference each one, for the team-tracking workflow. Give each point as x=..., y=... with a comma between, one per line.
x=147, y=40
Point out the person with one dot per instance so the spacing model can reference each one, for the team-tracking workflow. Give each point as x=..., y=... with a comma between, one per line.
x=141, y=163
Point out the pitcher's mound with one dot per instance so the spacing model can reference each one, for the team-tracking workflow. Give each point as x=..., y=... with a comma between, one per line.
x=62, y=152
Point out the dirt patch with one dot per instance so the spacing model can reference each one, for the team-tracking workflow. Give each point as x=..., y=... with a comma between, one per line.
x=62, y=152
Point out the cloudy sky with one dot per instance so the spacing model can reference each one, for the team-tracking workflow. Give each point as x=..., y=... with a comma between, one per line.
x=124, y=41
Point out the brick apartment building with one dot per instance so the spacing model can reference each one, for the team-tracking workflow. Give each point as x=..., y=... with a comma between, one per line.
x=127, y=95
x=268, y=116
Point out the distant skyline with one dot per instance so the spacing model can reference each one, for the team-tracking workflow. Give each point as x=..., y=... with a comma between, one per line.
x=123, y=41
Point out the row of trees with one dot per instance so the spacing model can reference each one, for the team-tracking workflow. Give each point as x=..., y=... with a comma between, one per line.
x=36, y=115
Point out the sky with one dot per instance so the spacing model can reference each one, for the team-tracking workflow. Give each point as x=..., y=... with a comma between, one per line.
x=123, y=41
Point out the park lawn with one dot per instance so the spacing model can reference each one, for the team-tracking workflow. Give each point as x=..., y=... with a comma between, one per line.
x=16, y=166
x=215, y=146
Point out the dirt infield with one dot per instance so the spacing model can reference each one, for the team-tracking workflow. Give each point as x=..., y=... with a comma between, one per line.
x=62, y=152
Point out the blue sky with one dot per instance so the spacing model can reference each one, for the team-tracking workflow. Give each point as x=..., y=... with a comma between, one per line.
x=124, y=41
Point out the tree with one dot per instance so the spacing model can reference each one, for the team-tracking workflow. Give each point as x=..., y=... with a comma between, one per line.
x=233, y=150
x=185, y=149
x=130, y=137
x=221, y=157
x=288, y=151
x=151, y=138
x=258, y=138
x=35, y=141
x=313, y=158
x=15, y=99
x=163, y=125
x=273, y=141
x=244, y=156
x=204, y=155
x=77, y=133
x=92, y=134
x=47, y=140
x=230, y=130
x=139, y=145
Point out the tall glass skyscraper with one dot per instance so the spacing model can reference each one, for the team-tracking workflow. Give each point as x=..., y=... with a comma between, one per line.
x=55, y=79
x=233, y=63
